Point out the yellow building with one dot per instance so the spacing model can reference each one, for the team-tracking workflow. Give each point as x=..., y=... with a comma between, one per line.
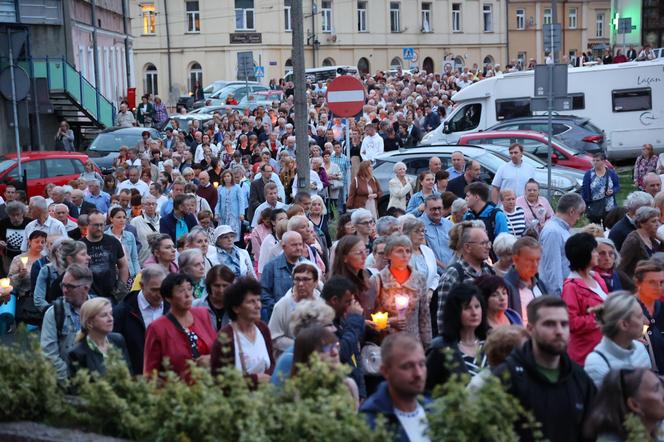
x=180, y=42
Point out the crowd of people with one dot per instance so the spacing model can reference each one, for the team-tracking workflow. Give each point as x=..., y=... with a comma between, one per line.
x=200, y=247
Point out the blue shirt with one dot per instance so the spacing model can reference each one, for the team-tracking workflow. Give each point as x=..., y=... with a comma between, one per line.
x=554, y=265
x=438, y=238
x=101, y=201
x=230, y=260
x=453, y=173
x=181, y=228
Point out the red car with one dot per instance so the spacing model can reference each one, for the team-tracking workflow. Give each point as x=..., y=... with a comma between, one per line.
x=42, y=168
x=535, y=143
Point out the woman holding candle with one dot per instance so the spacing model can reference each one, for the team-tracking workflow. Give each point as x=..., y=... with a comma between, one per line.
x=464, y=332
x=402, y=292
x=19, y=269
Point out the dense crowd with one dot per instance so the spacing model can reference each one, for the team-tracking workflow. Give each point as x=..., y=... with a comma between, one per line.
x=200, y=247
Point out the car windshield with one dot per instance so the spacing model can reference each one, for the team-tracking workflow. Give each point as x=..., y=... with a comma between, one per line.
x=567, y=147
x=6, y=164
x=490, y=161
x=111, y=141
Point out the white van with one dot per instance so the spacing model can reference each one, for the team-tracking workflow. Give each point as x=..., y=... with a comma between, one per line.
x=625, y=100
x=324, y=73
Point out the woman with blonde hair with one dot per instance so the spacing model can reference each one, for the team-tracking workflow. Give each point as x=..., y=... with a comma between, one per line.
x=364, y=190
x=95, y=339
x=401, y=188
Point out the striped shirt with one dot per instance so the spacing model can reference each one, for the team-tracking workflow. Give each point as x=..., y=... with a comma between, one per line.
x=516, y=221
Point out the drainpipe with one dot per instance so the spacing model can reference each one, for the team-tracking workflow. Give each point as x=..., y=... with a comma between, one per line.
x=314, y=11
x=95, y=52
x=507, y=32
x=168, y=48
x=125, y=29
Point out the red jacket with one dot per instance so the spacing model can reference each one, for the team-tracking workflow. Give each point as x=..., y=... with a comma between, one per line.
x=163, y=340
x=584, y=331
x=224, y=354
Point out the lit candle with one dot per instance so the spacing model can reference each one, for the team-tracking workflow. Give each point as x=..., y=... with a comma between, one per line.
x=645, y=329
x=380, y=319
x=401, y=302
x=24, y=260
x=215, y=184
x=5, y=283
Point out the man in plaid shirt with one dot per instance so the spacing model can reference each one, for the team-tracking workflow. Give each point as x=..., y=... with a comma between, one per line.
x=342, y=161
x=475, y=246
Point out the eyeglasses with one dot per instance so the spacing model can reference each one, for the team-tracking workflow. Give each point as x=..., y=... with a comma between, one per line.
x=481, y=243
x=436, y=209
x=299, y=280
x=68, y=286
x=99, y=225
x=367, y=223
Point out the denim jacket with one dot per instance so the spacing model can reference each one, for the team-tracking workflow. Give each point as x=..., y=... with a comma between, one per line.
x=130, y=249
x=56, y=349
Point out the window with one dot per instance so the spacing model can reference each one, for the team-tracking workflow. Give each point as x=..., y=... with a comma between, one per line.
x=571, y=18
x=395, y=22
x=329, y=62
x=578, y=100
x=426, y=17
x=520, y=19
x=151, y=80
x=31, y=168
x=195, y=76
x=361, y=16
x=467, y=118
x=363, y=65
x=395, y=63
x=59, y=167
x=456, y=17
x=627, y=100
x=326, y=16
x=244, y=15
x=521, y=58
x=487, y=18
x=599, y=24
x=512, y=108
x=149, y=18
x=287, y=16
x=547, y=16
x=193, y=17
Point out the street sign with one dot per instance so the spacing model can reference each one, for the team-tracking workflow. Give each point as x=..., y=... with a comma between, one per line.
x=625, y=25
x=552, y=37
x=345, y=96
x=543, y=82
x=408, y=54
x=259, y=72
x=541, y=104
x=245, y=64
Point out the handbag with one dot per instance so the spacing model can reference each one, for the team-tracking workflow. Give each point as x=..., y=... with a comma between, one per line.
x=27, y=311
x=597, y=208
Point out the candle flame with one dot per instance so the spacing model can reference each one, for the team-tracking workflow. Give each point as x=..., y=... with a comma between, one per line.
x=380, y=319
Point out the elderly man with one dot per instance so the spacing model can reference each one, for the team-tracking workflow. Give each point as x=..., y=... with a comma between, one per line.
x=652, y=183
x=62, y=320
x=12, y=231
x=137, y=311
x=435, y=165
x=146, y=224
x=38, y=211
x=59, y=196
x=257, y=189
x=100, y=199
x=61, y=213
x=206, y=190
x=626, y=225
x=372, y=144
x=82, y=207
x=134, y=181
x=271, y=202
x=276, y=278
x=437, y=231
x=522, y=280
x=470, y=175
x=554, y=265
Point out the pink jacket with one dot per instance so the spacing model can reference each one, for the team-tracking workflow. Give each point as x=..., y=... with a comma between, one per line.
x=584, y=332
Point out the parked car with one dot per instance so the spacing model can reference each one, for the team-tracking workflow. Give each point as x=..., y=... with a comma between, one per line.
x=215, y=87
x=239, y=91
x=105, y=148
x=41, y=169
x=535, y=143
x=576, y=132
x=417, y=160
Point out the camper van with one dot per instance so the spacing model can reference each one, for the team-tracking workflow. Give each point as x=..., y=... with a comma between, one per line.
x=323, y=74
x=625, y=100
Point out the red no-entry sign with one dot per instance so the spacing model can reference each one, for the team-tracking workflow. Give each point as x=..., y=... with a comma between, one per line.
x=345, y=96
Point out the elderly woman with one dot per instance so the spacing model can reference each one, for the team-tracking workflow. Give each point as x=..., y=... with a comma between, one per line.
x=247, y=343
x=401, y=292
x=599, y=189
x=230, y=255
x=64, y=253
x=607, y=266
x=163, y=252
x=192, y=264
x=582, y=290
x=216, y=281
x=621, y=322
x=502, y=247
x=400, y=187
x=305, y=281
x=537, y=209
x=496, y=298
x=516, y=217
x=95, y=339
x=645, y=163
x=423, y=259
x=19, y=268
x=642, y=243
x=458, y=210
x=198, y=238
x=16, y=221
x=183, y=334
x=319, y=217
x=117, y=218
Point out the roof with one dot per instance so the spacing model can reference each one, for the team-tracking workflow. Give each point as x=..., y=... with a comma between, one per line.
x=433, y=149
x=129, y=130
x=44, y=154
x=504, y=134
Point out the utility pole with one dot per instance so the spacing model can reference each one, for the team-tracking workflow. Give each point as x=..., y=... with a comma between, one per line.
x=554, y=19
x=301, y=137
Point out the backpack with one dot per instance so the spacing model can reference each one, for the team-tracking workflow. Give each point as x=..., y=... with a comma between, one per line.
x=490, y=222
x=59, y=314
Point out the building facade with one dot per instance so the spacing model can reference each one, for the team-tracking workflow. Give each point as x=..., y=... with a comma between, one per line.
x=586, y=25
x=180, y=42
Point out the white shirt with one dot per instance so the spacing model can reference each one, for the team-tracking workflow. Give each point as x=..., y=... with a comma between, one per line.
x=200, y=154
x=513, y=177
x=51, y=227
x=526, y=295
x=254, y=354
x=148, y=312
x=139, y=185
x=313, y=178
x=414, y=423
x=372, y=147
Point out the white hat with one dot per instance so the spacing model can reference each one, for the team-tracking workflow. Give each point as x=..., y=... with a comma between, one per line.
x=222, y=230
